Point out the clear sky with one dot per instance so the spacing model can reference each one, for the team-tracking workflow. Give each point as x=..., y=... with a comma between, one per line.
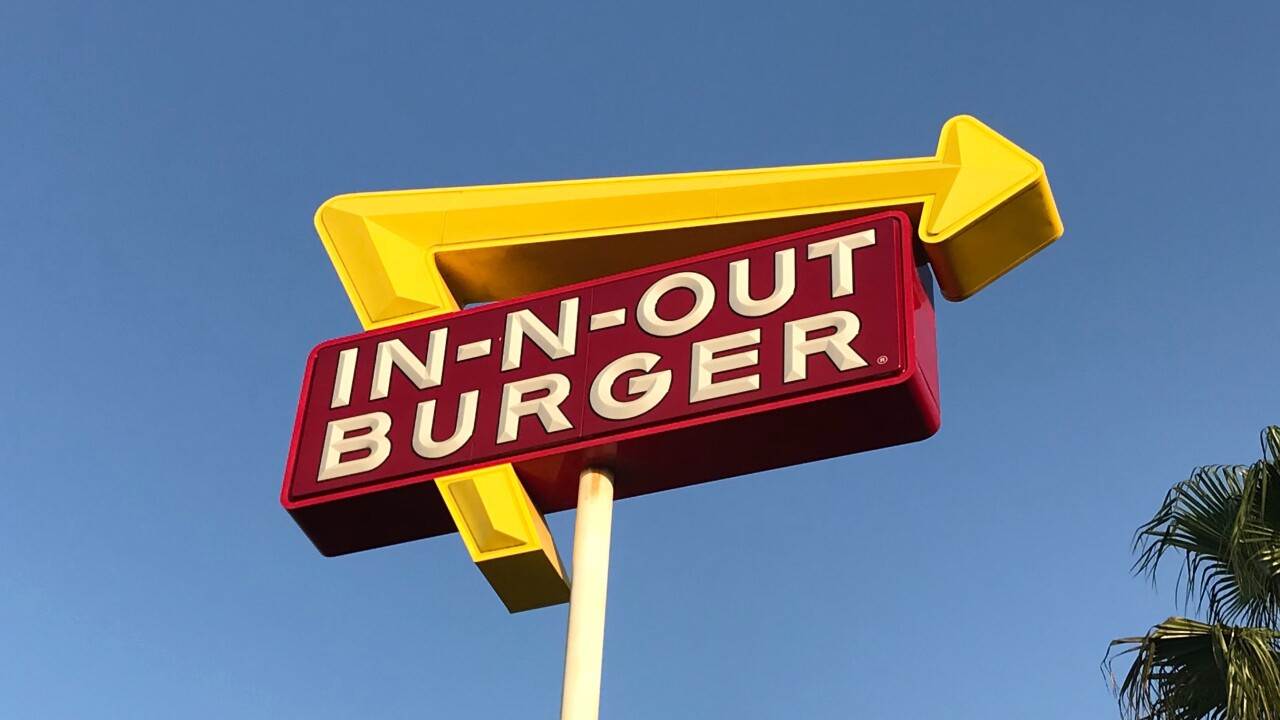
x=162, y=285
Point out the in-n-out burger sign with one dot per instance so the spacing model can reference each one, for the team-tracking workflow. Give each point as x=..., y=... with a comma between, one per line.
x=803, y=347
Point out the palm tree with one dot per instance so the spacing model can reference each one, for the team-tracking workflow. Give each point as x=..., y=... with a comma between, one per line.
x=1223, y=524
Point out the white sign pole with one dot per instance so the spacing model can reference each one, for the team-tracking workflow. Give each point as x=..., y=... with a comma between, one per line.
x=584, y=650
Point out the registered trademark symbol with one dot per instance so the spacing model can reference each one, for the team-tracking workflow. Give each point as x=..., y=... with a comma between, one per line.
x=882, y=360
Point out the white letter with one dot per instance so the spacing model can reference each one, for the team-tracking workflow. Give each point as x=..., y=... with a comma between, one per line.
x=702, y=384
x=795, y=335
x=425, y=446
x=336, y=443
x=840, y=250
x=784, y=285
x=346, y=373
x=651, y=388
x=393, y=353
x=704, y=295
x=547, y=407
x=523, y=323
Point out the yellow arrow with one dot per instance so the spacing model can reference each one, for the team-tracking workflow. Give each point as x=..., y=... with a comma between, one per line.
x=983, y=206
x=981, y=203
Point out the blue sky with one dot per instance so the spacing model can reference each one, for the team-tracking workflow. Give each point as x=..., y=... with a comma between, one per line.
x=163, y=285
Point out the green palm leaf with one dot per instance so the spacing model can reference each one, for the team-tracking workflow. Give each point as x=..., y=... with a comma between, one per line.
x=1188, y=670
x=1224, y=524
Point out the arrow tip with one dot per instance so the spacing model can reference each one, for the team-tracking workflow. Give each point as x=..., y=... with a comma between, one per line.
x=997, y=211
x=989, y=170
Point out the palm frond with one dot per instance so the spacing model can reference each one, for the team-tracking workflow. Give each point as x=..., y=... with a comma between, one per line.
x=1196, y=523
x=1269, y=476
x=1254, y=552
x=1224, y=524
x=1187, y=670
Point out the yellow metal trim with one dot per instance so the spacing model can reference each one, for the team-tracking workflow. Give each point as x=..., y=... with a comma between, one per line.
x=507, y=537
x=406, y=255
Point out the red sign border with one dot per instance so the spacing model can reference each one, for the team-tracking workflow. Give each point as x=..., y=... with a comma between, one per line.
x=918, y=365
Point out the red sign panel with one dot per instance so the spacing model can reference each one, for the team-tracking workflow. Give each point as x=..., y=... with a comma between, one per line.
x=803, y=347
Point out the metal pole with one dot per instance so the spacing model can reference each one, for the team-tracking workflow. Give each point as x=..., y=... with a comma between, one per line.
x=584, y=649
